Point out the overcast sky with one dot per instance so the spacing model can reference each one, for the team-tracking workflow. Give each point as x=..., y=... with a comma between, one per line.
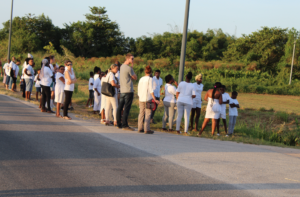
x=141, y=17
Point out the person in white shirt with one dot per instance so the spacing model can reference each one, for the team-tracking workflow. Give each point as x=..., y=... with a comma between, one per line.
x=70, y=80
x=12, y=70
x=226, y=98
x=7, y=74
x=159, y=82
x=28, y=73
x=91, y=91
x=46, y=76
x=146, y=94
x=4, y=73
x=97, y=94
x=112, y=102
x=185, y=94
x=52, y=86
x=14, y=88
x=197, y=102
x=59, y=90
x=233, y=112
x=37, y=85
x=169, y=102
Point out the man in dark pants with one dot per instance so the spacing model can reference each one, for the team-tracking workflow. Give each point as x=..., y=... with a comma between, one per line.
x=126, y=89
x=156, y=88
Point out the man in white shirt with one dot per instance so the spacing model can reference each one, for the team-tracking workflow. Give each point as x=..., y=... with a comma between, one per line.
x=97, y=94
x=7, y=73
x=16, y=74
x=12, y=69
x=52, y=87
x=158, y=82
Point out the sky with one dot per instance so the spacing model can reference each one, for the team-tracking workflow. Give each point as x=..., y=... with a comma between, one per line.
x=141, y=17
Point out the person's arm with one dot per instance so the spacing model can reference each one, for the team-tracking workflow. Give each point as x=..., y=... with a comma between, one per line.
x=226, y=102
x=132, y=74
x=68, y=78
x=113, y=83
x=206, y=96
x=150, y=88
x=62, y=79
x=220, y=99
x=232, y=105
x=26, y=72
x=74, y=80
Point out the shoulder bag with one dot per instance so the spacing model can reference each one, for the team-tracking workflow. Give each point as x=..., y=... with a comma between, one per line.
x=107, y=89
x=150, y=104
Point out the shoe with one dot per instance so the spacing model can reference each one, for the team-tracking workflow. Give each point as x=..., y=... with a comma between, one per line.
x=164, y=129
x=149, y=132
x=171, y=130
x=178, y=132
x=128, y=129
x=119, y=127
x=141, y=131
x=187, y=133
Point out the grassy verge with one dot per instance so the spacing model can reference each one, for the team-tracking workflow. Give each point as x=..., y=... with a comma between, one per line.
x=262, y=120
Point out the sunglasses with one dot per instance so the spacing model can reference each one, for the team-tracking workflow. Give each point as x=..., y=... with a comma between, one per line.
x=69, y=64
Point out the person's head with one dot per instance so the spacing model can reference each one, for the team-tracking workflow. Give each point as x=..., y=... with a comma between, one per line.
x=148, y=70
x=8, y=60
x=129, y=58
x=13, y=59
x=102, y=74
x=169, y=79
x=157, y=74
x=61, y=69
x=52, y=59
x=45, y=62
x=38, y=71
x=96, y=70
x=114, y=68
x=189, y=76
x=118, y=64
x=217, y=86
x=18, y=62
x=47, y=58
x=69, y=65
x=30, y=61
x=198, y=78
x=234, y=95
x=91, y=74
x=106, y=72
x=222, y=89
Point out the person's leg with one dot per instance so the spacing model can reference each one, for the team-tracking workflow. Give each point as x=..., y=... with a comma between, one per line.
x=48, y=98
x=142, y=106
x=148, y=113
x=193, y=111
x=166, y=114
x=36, y=94
x=13, y=87
x=180, y=109
x=206, y=120
x=198, y=113
x=31, y=85
x=10, y=83
x=97, y=102
x=115, y=108
x=57, y=109
x=107, y=108
x=171, y=112
x=67, y=102
x=218, y=125
x=187, y=112
x=120, y=108
x=24, y=89
x=213, y=127
x=225, y=125
x=128, y=102
x=153, y=112
x=43, y=99
x=230, y=125
x=233, y=123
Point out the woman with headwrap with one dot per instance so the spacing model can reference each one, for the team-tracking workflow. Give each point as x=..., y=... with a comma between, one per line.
x=46, y=76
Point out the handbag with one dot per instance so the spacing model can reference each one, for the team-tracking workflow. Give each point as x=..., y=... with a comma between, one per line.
x=107, y=89
x=150, y=104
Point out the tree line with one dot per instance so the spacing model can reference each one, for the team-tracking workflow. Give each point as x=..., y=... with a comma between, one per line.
x=268, y=48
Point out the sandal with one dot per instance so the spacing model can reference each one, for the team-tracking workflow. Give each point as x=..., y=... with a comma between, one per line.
x=59, y=116
x=67, y=118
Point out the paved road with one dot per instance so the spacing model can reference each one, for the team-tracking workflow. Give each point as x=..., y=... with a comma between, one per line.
x=41, y=155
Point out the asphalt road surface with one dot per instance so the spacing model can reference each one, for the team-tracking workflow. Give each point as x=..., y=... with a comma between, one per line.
x=41, y=155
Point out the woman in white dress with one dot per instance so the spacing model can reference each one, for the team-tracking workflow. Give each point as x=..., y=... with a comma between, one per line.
x=197, y=102
x=213, y=109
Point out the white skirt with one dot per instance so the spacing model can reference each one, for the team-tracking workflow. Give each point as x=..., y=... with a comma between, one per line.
x=59, y=97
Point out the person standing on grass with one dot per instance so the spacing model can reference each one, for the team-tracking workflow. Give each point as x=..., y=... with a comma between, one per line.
x=91, y=91
x=233, y=112
x=126, y=89
x=16, y=74
x=185, y=94
x=197, y=102
x=226, y=98
x=12, y=70
x=52, y=86
x=70, y=80
x=3, y=73
x=159, y=82
x=112, y=101
x=146, y=94
x=46, y=76
x=7, y=73
x=28, y=73
x=59, y=89
x=169, y=103
x=213, y=109
x=103, y=99
x=97, y=94
x=37, y=81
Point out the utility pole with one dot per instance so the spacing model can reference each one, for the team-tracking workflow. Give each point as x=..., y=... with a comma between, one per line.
x=292, y=62
x=184, y=38
x=10, y=29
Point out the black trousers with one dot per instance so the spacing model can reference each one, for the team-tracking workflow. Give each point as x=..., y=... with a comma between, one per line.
x=68, y=98
x=46, y=97
x=125, y=101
